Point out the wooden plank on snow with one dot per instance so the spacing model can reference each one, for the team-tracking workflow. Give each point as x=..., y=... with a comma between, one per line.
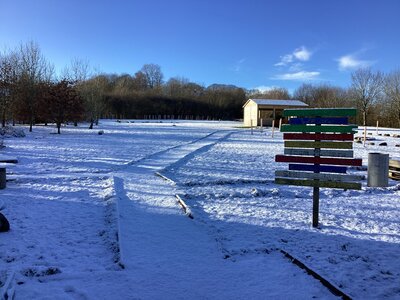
x=298, y=121
x=394, y=163
x=312, y=152
x=317, y=168
x=319, y=160
x=320, y=112
x=319, y=183
x=319, y=136
x=332, y=145
x=317, y=128
x=320, y=176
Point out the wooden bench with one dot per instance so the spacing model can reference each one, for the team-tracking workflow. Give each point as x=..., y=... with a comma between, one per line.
x=8, y=159
x=394, y=169
x=4, y=164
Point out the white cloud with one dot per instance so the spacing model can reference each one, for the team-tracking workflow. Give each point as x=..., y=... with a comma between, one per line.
x=298, y=76
x=285, y=59
x=299, y=54
x=302, y=53
x=265, y=88
x=351, y=62
x=296, y=67
x=238, y=65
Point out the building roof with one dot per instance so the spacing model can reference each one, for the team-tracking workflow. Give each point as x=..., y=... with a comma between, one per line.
x=272, y=102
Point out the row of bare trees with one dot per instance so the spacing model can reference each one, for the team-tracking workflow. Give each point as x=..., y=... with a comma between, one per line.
x=374, y=94
x=31, y=92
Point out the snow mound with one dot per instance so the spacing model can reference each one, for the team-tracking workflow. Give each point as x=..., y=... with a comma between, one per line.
x=10, y=131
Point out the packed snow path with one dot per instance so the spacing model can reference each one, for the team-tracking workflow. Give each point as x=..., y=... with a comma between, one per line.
x=157, y=240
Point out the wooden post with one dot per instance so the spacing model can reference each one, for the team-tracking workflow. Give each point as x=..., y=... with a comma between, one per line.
x=315, y=219
x=365, y=134
x=280, y=124
x=3, y=180
x=315, y=215
x=377, y=126
x=251, y=126
x=261, y=123
x=273, y=128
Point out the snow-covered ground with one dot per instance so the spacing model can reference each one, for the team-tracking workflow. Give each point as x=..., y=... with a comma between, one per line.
x=91, y=220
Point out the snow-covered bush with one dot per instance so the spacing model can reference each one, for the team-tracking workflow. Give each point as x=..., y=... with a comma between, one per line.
x=10, y=131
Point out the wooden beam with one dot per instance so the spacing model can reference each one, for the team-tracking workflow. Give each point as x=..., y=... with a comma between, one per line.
x=322, y=128
x=319, y=160
x=320, y=176
x=394, y=163
x=312, y=152
x=320, y=112
x=319, y=136
x=184, y=206
x=298, y=121
x=332, y=145
x=319, y=183
x=317, y=168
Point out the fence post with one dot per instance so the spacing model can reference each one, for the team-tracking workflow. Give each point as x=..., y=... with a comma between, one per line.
x=3, y=180
x=365, y=134
x=273, y=128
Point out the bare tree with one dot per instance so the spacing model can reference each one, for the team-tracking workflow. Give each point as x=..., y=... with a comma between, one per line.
x=273, y=93
x=8, y=79
x=153, y=75
x=123, y=85
x=93, y=93
x=323, y=95
x=139, y=82
x=392, y=93
x=33, y=69
x=175, y=87
x=305, y=93
x=366, y=88
x=77, y=73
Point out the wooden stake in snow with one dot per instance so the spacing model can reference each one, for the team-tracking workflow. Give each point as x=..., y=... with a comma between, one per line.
x=280, y=124
x=377, y=126
x=273, y=128
x=365, y=134
x=3, y=179
x=251, y=126
x=184, y=206
x=261, y=123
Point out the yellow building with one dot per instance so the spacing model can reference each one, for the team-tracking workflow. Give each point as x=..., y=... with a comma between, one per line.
x=255, y=110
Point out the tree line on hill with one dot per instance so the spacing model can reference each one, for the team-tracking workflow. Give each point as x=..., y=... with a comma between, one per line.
x=31, y=93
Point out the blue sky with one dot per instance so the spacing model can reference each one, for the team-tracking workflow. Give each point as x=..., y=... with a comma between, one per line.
x=247, y=43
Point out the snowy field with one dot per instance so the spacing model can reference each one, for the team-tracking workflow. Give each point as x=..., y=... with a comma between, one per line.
x=91, y=220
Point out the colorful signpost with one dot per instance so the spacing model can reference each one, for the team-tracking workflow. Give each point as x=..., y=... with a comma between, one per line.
x=318, y=147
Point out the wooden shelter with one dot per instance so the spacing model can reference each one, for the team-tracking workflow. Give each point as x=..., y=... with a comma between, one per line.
x=255, y=110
